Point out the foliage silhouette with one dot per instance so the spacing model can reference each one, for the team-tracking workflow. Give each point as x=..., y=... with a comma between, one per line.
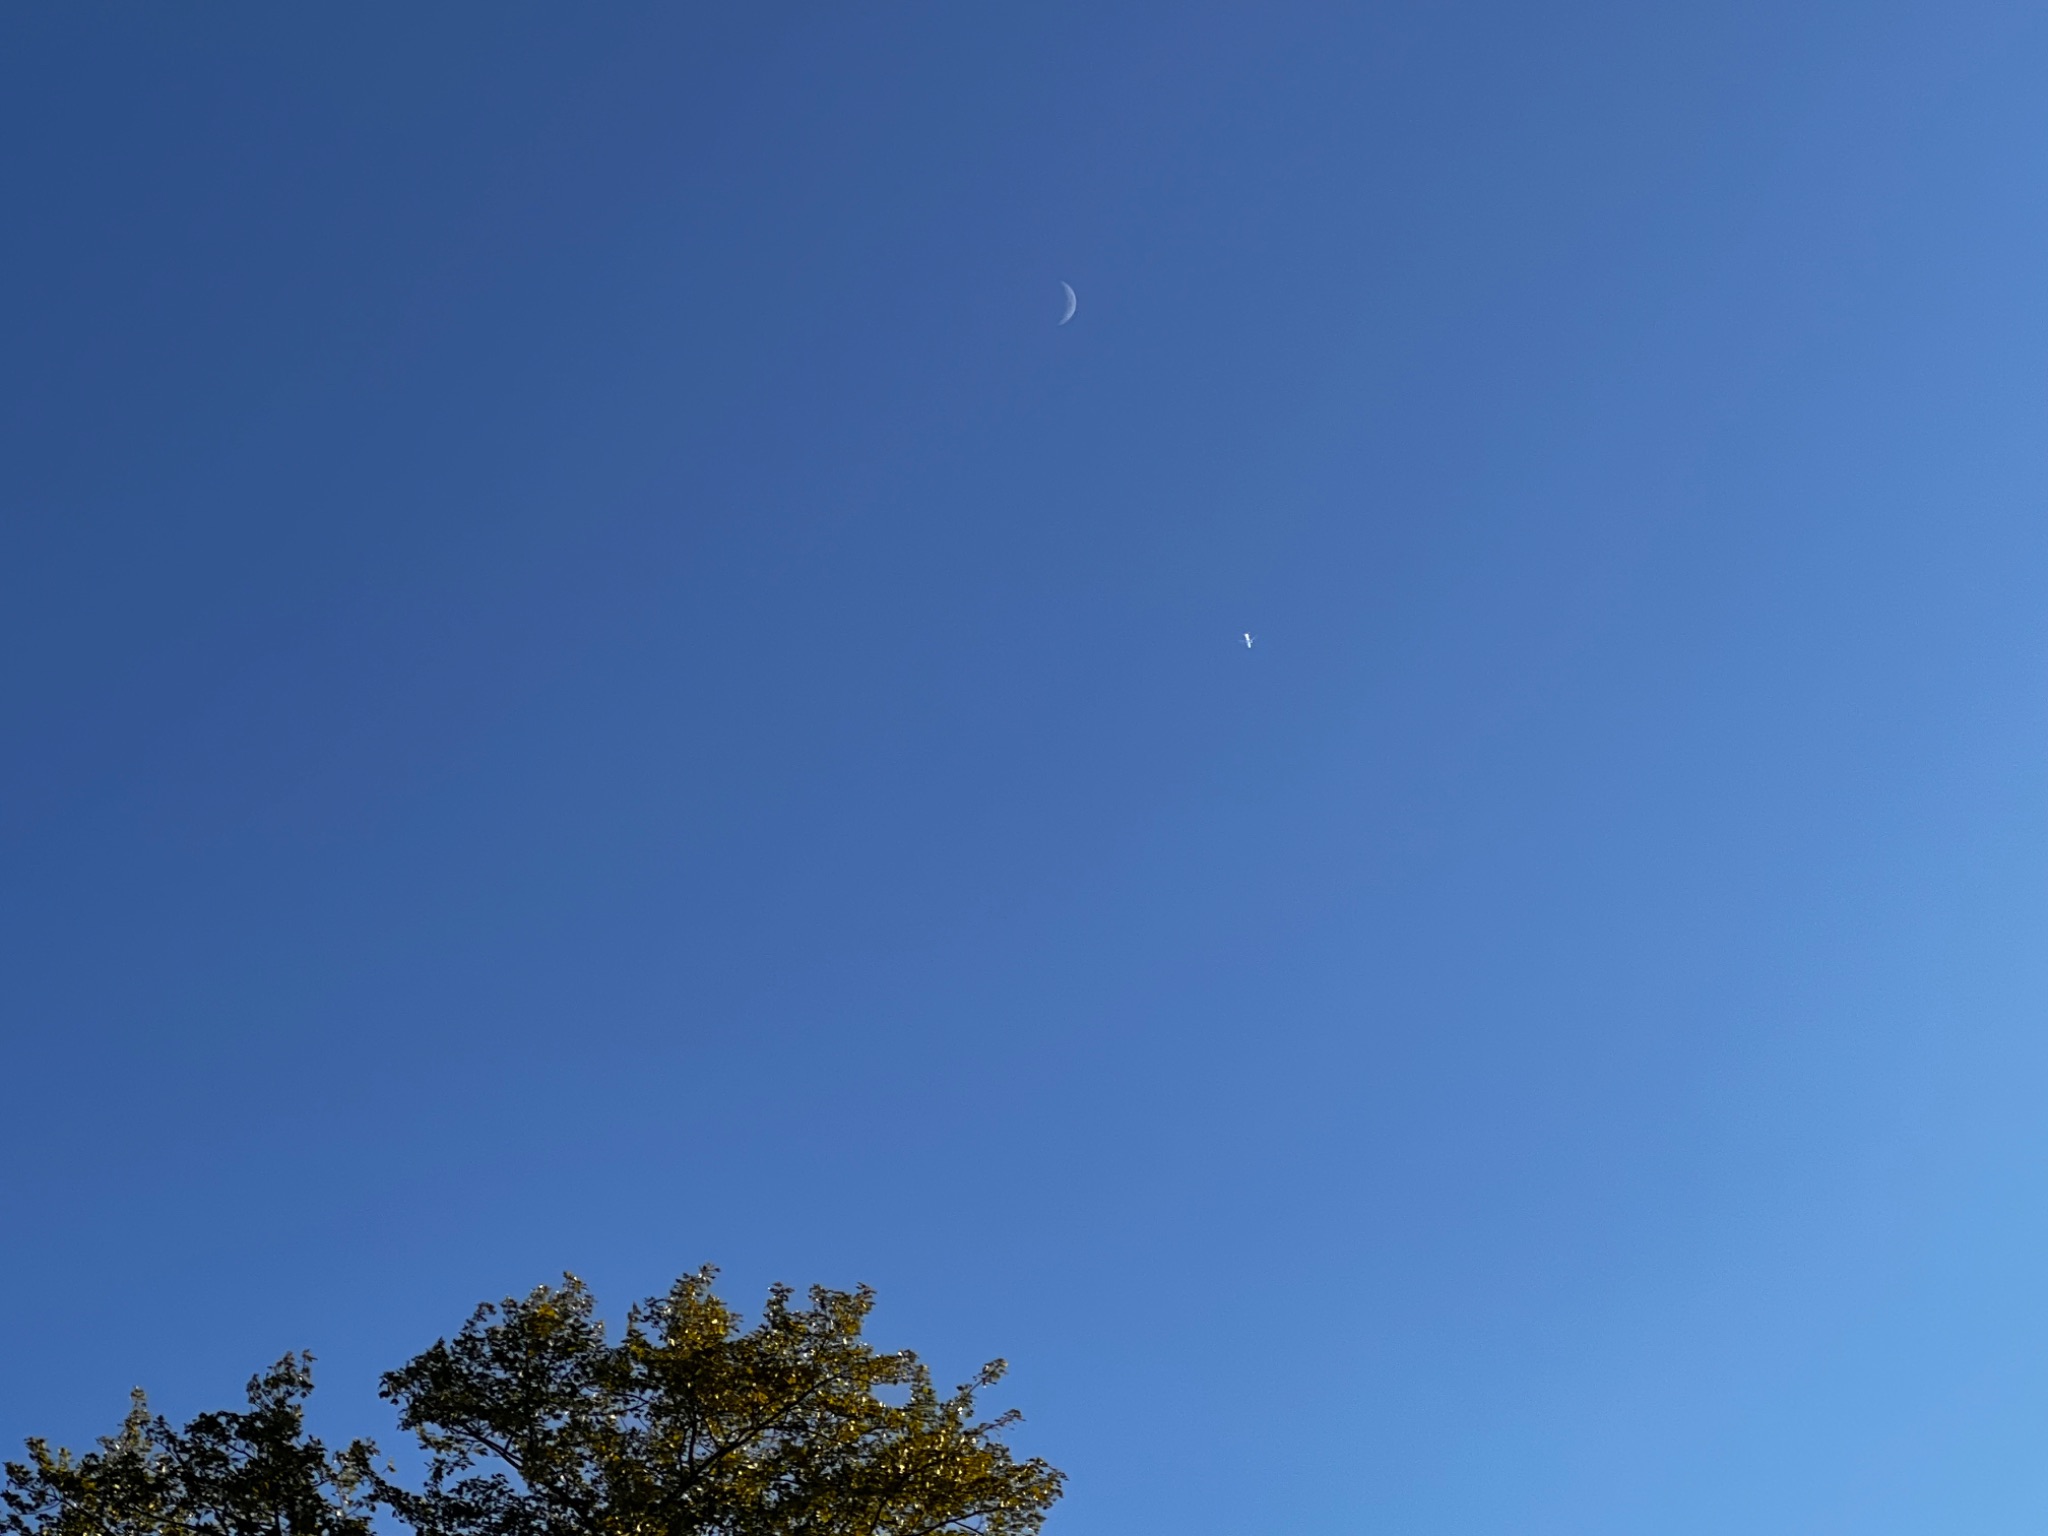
x=536, y=1424
x=224, y=1474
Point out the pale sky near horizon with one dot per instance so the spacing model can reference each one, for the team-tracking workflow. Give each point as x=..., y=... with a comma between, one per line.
x=591, y=680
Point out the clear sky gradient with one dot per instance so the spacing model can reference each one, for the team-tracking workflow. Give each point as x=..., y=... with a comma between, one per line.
x=589, y=680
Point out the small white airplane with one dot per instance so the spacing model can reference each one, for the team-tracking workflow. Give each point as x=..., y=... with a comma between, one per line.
x=1247, y=642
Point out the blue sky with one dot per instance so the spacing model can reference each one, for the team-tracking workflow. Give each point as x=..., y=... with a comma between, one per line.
x=590, y=681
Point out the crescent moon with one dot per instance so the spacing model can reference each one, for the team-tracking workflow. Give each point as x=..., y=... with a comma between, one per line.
x=1073, y=303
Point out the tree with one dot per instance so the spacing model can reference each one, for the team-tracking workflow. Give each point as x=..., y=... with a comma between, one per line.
x=225, y=1474
x=536, y=1424
x=689, y=1426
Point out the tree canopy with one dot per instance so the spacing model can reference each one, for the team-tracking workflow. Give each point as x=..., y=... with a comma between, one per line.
x=224, y=1474
x=535, y=1423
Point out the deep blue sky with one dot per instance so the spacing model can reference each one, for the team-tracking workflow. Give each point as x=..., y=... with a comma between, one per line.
x=589, y=681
